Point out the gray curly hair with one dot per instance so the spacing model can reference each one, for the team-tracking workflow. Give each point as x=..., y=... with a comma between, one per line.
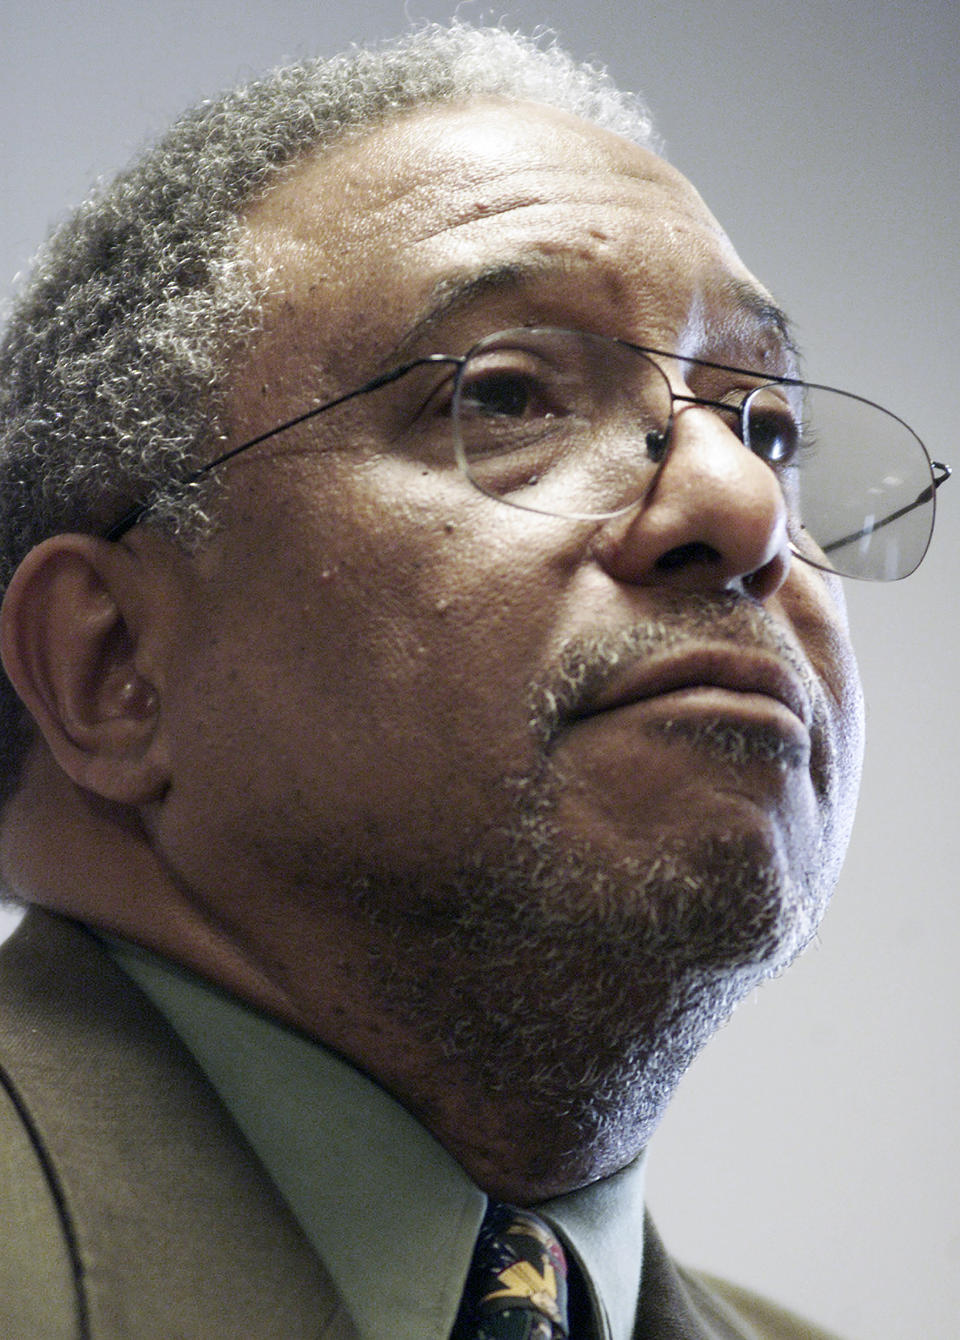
x=113, y=363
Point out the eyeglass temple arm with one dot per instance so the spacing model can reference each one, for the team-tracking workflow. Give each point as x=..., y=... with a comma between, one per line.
x=923, y=497
x=130, y=518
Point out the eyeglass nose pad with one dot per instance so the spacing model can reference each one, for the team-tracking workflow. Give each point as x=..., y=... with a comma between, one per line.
x=656, y=442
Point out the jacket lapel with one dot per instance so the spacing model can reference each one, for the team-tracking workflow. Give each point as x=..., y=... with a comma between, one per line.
x=676, y=1305
x=174, y=1228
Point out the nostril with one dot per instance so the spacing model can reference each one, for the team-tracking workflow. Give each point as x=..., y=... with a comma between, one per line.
x=763, y=582
x=685, y=555
x=656, y=443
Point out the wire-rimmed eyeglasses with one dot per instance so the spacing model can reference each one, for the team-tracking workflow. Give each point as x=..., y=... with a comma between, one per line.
x=573, y=424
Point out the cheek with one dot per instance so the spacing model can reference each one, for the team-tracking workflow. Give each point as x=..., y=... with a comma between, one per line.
x=835, y=653
x=819, y=618
x=374, y=674
x=850, y=731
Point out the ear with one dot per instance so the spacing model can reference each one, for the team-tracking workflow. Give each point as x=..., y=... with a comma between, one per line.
x=69, y=642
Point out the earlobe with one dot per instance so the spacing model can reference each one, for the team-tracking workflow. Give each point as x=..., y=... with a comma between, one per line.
x=69, y=641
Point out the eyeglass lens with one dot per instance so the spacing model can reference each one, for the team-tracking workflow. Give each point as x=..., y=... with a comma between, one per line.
x=567, y=423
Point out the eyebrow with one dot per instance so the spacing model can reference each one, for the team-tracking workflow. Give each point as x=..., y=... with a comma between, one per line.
x=456, y=292
x=770, y=317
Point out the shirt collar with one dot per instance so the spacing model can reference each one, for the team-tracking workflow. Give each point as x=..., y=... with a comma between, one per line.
x=391, y=1214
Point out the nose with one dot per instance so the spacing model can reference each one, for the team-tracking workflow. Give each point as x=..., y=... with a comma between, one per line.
x=713, y=518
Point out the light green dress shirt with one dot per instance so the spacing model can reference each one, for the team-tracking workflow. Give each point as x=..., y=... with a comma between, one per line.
x=390, y=1213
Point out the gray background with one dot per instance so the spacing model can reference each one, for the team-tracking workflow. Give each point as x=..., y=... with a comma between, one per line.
x=812, y=1150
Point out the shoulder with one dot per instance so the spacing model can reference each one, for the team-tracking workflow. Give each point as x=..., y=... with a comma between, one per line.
x=144, y=1211
x=759, y=1318
x=38, y=1290
x=678, y=1304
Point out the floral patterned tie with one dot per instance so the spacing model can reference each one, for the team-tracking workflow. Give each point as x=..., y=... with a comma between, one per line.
x=517, y=1287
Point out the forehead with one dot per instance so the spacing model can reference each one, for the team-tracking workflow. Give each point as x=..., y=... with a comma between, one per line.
x=456, y=214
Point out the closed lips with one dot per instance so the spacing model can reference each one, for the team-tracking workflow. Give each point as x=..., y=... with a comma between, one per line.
x=739, y=670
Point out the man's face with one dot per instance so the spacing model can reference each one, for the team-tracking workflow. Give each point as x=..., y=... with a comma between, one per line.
x=363, y=697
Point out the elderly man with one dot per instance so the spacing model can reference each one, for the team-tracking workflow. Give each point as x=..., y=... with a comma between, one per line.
x=433, y=707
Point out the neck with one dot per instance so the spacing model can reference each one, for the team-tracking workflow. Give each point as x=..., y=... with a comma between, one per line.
x=102, y=869
x=529, y=1102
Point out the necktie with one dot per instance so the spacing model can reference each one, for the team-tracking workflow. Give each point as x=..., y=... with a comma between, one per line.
x=517, y=1287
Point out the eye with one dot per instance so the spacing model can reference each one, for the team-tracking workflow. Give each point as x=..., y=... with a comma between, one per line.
x=503, y=394
x=772, y=430
x=521, y=408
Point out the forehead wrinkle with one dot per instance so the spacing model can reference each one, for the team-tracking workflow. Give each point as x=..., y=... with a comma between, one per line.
x=297, y=238
x=547, y=258
x=449, y=204
x=542, y=259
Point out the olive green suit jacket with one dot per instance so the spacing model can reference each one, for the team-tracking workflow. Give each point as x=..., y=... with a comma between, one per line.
x=131, y=1207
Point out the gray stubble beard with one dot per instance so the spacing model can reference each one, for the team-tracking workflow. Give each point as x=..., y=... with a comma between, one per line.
x=586, y=986
x=540, y=967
